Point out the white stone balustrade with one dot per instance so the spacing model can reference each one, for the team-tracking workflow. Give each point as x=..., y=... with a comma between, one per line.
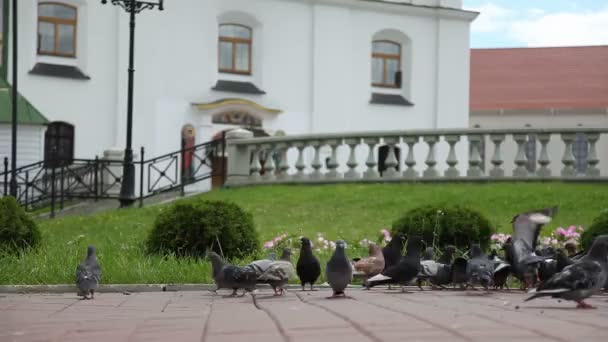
x=423, y=155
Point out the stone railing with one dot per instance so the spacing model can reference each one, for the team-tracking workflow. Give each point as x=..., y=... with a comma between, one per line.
x=420, y=155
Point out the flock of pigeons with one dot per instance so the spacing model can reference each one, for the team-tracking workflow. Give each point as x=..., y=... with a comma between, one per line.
x=547, y=271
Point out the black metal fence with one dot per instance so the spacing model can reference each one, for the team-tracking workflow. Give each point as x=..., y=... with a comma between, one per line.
x=52, y=182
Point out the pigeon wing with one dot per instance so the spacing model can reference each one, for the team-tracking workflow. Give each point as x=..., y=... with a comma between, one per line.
x=527, y=226
x=583, y=275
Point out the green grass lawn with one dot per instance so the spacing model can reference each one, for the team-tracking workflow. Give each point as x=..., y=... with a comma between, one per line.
x=350, y=212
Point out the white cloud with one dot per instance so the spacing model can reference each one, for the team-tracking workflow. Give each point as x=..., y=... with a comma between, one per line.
x=492, y=18
x=562, y=29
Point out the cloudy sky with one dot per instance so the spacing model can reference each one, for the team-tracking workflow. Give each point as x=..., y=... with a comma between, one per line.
x=520, y=23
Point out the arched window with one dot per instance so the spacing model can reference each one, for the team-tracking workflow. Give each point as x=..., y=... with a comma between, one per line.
x=59, y=144
x=386, y=64
x=235, y=49
x=57, y=29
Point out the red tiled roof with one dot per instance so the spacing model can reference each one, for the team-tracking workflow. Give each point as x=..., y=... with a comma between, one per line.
x=539, y=78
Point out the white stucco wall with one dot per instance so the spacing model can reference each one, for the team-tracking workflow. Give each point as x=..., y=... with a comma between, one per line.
x=312, y=58
x=592, y=118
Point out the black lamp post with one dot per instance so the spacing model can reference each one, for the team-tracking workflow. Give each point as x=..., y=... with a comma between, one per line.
x=13, y=182
x=127, y=189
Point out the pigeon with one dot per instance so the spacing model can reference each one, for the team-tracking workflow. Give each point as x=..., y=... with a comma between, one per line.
x=502, y=270
x=338, y=271
x=459, y=272
x=233, y=277
x=88, y=274
x=561, y=260
x=436, y=273
x=393, y=251
x=480, y=269
x=526, y=228
x=446, y=257
x=278, y=273
x=580, y=280
x=371, y=265
x=308, y=266
x=404, y=271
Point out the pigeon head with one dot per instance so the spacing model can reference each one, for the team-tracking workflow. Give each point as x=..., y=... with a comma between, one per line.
x=305, y=242
x=340, y=244
x=286, y=254
x=414, y=246
x=475, y=250
x=91, y=250
x=599, y=248
x=429, y=254
x=374, y=249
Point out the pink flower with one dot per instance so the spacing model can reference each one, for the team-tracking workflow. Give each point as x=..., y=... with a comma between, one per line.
x=554, y=242
x=494, y=237
x=269, y=244
x=561, y=231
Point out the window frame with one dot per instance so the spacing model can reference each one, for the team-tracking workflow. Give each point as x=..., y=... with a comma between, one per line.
x=56, y=22
x=234, y=41
x=384, y=57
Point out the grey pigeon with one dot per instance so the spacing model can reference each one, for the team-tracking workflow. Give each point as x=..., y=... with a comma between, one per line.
x=339, y=271
x=308, y=267
x=522, y=250
x=88, y=274
x=406, y=270
x=480, y=269
x=233, y=277
x=278, y=273
x=580, y=280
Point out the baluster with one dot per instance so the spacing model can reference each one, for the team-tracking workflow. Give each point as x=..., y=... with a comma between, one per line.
x=332, y=165
x=452, y=160
x=568, y=157
x=300, y=166
x=371, y=172
x=520, y=157
x=283, y=164
x=316, y=161
x=430, y=161
x=410, y=160
x=391, y=161
x=475, y=158
x=592, y=159
x=269, y=165
x=352, y=158
x=497, y=170
x=543, y=159
x=255, y=166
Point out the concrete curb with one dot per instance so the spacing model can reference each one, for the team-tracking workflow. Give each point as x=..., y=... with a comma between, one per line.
x=131, y=288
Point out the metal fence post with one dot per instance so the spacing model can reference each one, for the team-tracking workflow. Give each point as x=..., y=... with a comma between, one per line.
x=141, y=178
x=27, y=182
x=96, y=177
x=5, y=176
x=181, y=171
x=62, y=190
x=53, y=187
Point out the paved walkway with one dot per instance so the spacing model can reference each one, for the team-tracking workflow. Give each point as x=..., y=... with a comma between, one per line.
x=376, y=315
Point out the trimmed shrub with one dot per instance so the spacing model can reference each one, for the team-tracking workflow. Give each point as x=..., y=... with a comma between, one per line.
x=189, y=229
x=18, y=231
x=446, y=225
x=598, y=227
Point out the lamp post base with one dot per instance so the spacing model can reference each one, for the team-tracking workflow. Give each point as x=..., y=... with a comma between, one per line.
x=127, y=189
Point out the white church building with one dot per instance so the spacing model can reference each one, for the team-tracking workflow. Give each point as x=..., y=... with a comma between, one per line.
x=282, y=66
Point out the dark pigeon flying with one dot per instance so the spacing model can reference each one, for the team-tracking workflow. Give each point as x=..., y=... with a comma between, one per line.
x=88, y=274
x=393, y=251
x=480, y=269
x=459, y=272
x=339, y=270
x=308, y=267
x=233, y=277
x=406, y=270
x=526, y=228
x=580, y=280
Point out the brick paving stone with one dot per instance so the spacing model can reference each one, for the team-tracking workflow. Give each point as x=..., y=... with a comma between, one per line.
x=376, y=315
